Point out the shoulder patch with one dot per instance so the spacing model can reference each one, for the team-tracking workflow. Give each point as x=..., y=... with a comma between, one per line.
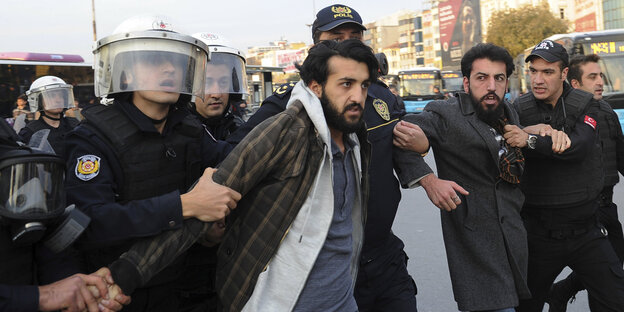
x=590, y=121
x=382, y=109
x=284, y=89
x=87, y=167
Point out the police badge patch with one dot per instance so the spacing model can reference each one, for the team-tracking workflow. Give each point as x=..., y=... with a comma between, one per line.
x=382, y=109
x=87, y=167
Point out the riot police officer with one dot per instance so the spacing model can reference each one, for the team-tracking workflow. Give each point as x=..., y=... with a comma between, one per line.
x=32, y=202
x=51, y=96
x=585, y=74
x=226, y=85
x=383, y=283
x=131, y=163
x=562, y=184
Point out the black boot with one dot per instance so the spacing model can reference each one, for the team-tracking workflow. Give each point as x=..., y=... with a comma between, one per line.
x=562, y=291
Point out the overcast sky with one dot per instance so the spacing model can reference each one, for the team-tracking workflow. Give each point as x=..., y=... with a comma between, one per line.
x=65, y=26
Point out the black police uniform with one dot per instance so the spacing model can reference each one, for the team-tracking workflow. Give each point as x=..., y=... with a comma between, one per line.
x=128, y=179
x=56, y=138
x=222, y=126
x=562, y=200
x=23, y=268
x=383, y=283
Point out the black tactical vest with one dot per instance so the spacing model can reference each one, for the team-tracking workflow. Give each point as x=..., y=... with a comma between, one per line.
x=608, y=131
x=56, y=138
x=152, y=165
x=553, y=183
x=16, y=263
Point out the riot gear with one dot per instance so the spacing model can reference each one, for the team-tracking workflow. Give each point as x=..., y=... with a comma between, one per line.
x=50, y=92
x=149, y=42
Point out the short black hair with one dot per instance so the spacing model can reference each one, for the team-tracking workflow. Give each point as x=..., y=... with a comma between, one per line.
x=488, y=51
x=315, y=66
x=574, y=71
x=23, y=97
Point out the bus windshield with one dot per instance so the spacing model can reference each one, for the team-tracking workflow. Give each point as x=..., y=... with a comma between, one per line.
x=418, y=86
x=613, y=69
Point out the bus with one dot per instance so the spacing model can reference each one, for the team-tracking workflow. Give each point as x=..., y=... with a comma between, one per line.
x=452, y=82
x=19, y=69
x=419, y=86
x=608, y=44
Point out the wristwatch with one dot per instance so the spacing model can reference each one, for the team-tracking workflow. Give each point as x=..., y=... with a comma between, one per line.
x=531, y=141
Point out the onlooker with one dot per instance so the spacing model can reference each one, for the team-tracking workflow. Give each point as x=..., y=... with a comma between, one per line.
x=21, y=107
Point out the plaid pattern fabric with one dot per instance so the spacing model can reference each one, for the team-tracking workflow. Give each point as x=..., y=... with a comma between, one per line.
x=511, y=159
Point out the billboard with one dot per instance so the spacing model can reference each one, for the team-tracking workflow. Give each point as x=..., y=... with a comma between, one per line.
x=585, y=13
x=460, y=29
x=288, y=58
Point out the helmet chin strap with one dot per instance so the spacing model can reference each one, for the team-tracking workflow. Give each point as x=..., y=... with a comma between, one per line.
x=50, y=117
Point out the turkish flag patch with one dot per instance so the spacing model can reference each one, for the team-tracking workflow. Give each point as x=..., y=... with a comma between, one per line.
x=590, y=121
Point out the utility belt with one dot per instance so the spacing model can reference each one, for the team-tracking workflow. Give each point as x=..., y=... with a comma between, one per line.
x=606, y=196
x=535, y=226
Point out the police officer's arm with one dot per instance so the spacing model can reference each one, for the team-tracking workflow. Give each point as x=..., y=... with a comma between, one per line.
x=582, y=139
x=25, y=134
x=15, y=298
x=94, y=191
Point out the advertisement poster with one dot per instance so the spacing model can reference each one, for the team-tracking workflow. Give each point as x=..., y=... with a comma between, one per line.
x=460, y=29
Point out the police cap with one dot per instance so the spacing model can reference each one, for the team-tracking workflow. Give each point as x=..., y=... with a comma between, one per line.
x=550, y=51
x=334, y=16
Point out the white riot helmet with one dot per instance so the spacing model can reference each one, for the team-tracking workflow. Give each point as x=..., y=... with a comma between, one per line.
x=226, y=71
x=145, y=53
x=49, y=92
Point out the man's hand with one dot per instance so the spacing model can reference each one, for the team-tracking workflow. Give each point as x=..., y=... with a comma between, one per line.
x=409, y=136
x=72, y=294
x=209, y=201
x=560, y=141
x=515, y=136
x=114, y=291
x=539, y=129
x=442, y=193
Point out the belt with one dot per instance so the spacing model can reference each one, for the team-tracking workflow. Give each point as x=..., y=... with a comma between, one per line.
x=535, y=227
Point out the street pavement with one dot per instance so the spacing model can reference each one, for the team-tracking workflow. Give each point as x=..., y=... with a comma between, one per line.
x=418, y=224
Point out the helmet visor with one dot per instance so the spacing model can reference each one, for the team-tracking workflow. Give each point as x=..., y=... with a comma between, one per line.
x=52, y=97
x=149, y=64
x=225, y=73
x=32, y=188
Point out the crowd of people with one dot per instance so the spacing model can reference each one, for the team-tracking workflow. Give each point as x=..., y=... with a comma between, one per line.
x=164, y=199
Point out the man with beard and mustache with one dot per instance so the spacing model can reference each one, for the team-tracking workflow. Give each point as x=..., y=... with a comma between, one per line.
x=485, y=239
x=563, y=184
x=294, y=240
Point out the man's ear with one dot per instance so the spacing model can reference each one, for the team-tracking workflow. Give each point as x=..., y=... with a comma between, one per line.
x=316, y=88
x=575, y=83
x=466, y=85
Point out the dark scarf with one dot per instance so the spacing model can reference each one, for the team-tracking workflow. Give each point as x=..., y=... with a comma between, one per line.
x=511, y=163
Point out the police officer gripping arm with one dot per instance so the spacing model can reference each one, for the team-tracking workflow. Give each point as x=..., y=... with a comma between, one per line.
x=131, y=163
x=32, y=200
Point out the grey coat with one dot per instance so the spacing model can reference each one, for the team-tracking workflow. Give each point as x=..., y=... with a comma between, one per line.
x=485, y=239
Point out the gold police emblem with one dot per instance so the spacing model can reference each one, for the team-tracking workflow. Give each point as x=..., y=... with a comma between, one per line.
x=341, y=11
x=284, y=88
x=382, y=109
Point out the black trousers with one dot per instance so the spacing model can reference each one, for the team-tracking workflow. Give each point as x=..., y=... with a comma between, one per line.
x=587, y=252
x=384, y=284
